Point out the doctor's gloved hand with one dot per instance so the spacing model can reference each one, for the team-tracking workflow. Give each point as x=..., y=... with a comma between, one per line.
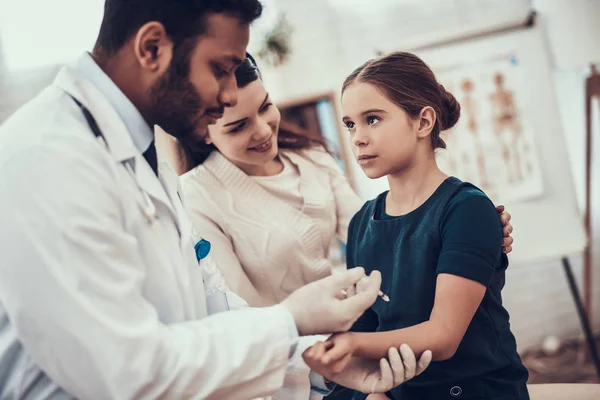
x=371, y=376
x=330, y=357
x=319, y=307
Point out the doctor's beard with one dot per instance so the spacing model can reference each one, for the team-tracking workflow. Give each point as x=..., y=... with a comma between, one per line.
x=176, y=105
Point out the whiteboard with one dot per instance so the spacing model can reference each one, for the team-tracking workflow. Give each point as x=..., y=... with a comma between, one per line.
x=547, y=225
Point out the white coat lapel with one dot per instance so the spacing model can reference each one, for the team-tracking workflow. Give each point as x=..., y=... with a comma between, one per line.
x=114, y=131
x=170, y=182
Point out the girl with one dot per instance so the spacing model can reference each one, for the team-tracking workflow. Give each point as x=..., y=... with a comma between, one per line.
x=435, y=239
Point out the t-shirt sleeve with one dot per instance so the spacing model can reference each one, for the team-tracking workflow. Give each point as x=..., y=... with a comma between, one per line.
x=471, y=235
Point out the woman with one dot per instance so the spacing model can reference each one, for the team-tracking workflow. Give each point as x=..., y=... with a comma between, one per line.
x=270, y=201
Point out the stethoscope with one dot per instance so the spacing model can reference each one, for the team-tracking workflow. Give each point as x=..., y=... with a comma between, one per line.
x=148, y=207
x=202, y=247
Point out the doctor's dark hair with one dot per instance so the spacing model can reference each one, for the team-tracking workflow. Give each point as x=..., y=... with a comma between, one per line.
x=194, y=151
x=182, y=19
x=410, y=84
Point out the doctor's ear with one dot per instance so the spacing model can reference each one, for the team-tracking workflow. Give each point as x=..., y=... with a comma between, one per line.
x=153, y=47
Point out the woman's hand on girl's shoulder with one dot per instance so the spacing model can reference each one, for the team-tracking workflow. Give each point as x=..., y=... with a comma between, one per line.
x=507, y=229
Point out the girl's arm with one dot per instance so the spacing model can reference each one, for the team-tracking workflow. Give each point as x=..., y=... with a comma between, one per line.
x=471, y=235
x=456, y=300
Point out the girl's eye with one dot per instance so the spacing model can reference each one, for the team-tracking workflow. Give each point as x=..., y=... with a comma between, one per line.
x=349, y=125
x=372, y=120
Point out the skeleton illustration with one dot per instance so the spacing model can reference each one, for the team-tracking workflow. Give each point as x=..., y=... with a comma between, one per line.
x=469, y=108
x=507, y=128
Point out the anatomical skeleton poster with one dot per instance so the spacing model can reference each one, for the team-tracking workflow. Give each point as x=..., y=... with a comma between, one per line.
x=492, y=145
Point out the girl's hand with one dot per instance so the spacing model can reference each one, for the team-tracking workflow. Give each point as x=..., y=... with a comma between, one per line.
x=331, y=357
x=507, y=229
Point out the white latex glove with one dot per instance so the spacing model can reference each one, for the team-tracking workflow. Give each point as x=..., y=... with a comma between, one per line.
x=371, y=376
x=318, y=308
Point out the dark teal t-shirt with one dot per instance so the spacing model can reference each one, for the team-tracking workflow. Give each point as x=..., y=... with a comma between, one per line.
x=456, y=231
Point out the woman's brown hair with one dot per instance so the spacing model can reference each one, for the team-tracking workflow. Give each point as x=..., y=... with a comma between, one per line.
x=409, y=83
x=194, y=151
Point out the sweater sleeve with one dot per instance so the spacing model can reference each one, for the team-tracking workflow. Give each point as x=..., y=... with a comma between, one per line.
x=347, y=202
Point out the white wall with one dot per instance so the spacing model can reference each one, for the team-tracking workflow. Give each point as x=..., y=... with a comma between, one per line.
x=329, y=42
x=37, y=36
x=38, y=33
x=19, y=87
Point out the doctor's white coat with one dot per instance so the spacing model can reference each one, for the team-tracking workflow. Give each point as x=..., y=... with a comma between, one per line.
x=95, y=300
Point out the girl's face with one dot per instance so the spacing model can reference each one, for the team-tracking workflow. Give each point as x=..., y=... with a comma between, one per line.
x=385, y=139
x=247, y=133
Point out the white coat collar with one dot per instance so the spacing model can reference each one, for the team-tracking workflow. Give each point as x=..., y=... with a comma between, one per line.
x=138, y=128
x=171, y=183
x=119, y=141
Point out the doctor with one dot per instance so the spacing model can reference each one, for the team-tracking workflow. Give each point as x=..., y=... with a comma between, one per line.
x=101, y=296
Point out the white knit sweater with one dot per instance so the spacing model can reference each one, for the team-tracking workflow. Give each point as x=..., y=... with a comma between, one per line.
x=265, y=247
